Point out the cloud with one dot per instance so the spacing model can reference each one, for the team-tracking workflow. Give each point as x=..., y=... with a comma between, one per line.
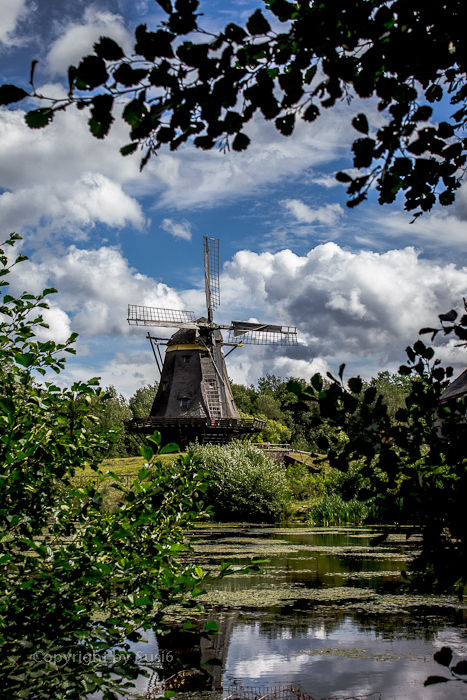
x=195, y=178
x=77, y=38
x=435, y=230
x=180, y=229
x=95, y=288
x=61, y=178
x=361, y=308
x=329, y=214
x=12, y=13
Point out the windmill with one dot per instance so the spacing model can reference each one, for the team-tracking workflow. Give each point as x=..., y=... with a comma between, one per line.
x=194, y=398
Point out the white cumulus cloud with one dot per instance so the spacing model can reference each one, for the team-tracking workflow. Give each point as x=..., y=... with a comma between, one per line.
x=11, y=13
x=76, y=39
x=178, y=229
x=329, y=214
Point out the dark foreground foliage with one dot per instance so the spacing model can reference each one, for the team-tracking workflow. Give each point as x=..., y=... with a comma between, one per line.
x=414, y=468
x=77, y=584
x=290, y=62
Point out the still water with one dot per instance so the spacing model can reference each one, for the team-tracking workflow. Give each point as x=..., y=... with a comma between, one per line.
x=327, y=615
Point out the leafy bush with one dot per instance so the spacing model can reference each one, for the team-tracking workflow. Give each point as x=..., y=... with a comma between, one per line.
x=244, y=482
x=301, y=483
x=77, y=584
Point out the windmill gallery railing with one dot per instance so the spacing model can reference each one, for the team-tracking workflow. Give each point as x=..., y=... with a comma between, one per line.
x=143, y=425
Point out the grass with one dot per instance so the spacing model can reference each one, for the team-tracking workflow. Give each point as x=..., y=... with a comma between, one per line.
x=304, y=459
x=126, y=468
x=124, y=465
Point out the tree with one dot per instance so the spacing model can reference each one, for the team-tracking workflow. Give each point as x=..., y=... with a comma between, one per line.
x=141, y=402
x=77, y=584
x=112, y=411
x=414, y=467
x=185, y=84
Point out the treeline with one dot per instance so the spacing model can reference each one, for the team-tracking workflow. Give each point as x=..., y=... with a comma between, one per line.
x=113, y=410
x=270, y=400
x=273, y=401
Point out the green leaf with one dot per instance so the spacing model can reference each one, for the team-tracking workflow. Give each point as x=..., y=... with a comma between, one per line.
x=156, y=437
x=170, y=447
x=38, y=118
x=147, y=452
x=211, y=625
x=134, y=113
x=10, y=94
x=25, y=359
x=129, y=148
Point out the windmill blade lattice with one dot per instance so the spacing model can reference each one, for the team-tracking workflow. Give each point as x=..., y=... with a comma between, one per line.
x=262, y=334
x=211, y=272
x=164, y=318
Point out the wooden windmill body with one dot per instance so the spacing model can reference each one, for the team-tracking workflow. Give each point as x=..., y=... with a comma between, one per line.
x=194, y=399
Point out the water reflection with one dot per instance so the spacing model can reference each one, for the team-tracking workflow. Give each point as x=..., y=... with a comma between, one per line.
x=328, y=649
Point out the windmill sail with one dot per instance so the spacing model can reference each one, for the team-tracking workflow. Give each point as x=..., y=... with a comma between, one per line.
x=262, y=333
x=163, y=318
x=211, y=274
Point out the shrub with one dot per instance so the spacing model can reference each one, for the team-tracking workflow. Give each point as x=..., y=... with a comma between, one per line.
x=244, y=482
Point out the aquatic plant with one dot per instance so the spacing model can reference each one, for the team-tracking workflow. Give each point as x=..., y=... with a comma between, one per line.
x=331, y=509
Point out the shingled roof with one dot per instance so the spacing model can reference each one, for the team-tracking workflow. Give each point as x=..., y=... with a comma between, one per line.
x=457, y=388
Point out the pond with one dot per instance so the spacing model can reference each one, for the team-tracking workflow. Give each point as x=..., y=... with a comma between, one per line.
x=326, y=614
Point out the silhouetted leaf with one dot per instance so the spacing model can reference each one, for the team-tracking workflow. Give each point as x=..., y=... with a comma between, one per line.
x=450, y=316
x=108, y=49
x=258, y=24
x=152, y=44
x=360, y=123
x=286, y=124
x=101, y=115
x=90, y=73
x=355, y=385
x=240, y=142
x=10, y=94
x=128, y=76
x=166, y=5
x=460, y=668
x=433, y=680
x=443, y=656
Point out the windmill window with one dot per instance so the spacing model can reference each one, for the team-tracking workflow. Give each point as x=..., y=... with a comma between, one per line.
x=164, y=386
x=186, y=359
x=184, y=402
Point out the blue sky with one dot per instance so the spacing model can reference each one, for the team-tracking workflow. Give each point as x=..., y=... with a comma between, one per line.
x=357, y=283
